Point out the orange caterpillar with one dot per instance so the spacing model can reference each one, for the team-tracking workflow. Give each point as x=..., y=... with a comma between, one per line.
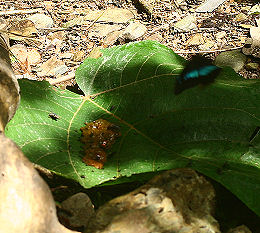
x=98, y=137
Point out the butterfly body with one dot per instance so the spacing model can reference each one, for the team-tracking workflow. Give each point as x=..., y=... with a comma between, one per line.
x=199, y=70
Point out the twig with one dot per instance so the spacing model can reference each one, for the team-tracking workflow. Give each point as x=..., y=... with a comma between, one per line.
x=95, y=20
x=71, y=75
x=14, y=12
x=208, y=51
x=17, y=35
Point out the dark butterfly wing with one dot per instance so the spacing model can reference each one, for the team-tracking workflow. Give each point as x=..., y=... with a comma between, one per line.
x=198, y=71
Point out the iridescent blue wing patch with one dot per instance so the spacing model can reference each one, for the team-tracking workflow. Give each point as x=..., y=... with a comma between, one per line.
x=198, y=71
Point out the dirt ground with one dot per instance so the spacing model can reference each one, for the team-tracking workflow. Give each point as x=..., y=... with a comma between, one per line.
x=70, y=42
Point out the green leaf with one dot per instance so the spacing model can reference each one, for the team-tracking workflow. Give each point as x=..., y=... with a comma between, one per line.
x=211, y=129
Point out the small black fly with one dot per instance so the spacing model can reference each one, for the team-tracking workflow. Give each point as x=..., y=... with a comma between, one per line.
x=54, y=116
x=112, y=108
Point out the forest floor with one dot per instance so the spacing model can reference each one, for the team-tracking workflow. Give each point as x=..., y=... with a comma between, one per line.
x=50, y=39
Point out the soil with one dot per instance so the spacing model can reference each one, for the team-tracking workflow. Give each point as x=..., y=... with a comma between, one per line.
x=159, y=20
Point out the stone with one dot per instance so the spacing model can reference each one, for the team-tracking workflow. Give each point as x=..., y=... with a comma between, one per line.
x=252, y=47
x=241, y=17
x=240, y=229
x=197, y=39
x=207, y=45
x=255, y=9
x=252, y=66
x=41, y=20
x=59, y=70
x=133, y=31
x=27, y=204
x=179, y=200
x=52, y=67
x=80, y=209
x=112, y=37
x=234, y=59
x=186, y=24
x=255, y=33
x=221, y=35
x=113, y=15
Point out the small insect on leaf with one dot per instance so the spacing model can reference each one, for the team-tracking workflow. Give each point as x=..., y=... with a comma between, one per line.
x=54, y=116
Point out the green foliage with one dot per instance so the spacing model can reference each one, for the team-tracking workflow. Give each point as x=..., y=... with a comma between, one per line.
x=208, y=129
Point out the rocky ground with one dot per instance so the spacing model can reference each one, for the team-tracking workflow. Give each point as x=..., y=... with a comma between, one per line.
x=49, y=39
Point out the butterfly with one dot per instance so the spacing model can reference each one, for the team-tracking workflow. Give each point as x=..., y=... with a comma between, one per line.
x=199, y=70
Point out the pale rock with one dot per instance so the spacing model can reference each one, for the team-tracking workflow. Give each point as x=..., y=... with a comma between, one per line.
x=112, y=37
x=133, y=31
x=255, y=33
x=197, y=39
x=207, y=45
x=221, y=35
x=209, y=5
x=175, y=201
x=41, y=20
x=241, y=17
x=52, y=67
x=59, y=70
x=186, y=24
x=255, y=9
x=114, y=15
